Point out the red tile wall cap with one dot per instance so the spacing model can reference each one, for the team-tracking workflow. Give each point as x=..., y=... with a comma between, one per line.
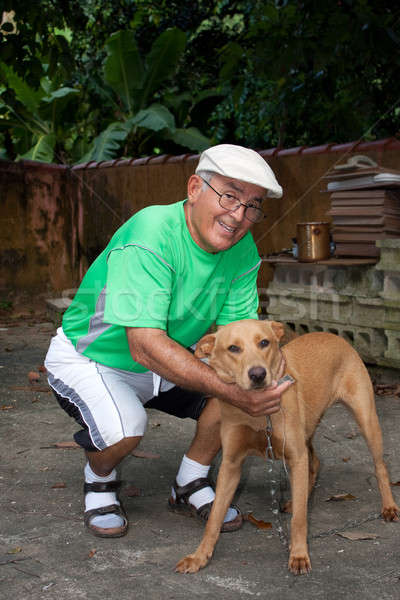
x=319, y=149
x=80, y=166
x=42, y=165
x=268, y=153
x=290, y=151
x=158, y=159
x=182, y=158
x=348, y=147
x=137, y=162
x=118, y=162
x=376, y=144
x=123, y=162
x=192, y=158
x=106, y=163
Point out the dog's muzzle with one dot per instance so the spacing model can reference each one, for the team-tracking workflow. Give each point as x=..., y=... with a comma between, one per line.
x=257, y=375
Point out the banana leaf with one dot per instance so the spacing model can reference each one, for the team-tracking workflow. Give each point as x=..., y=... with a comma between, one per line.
x=29, y=97
x=106, y=145
x=190, y=138
x=42, y=150
x=155, y=117
x=162, y=61
x=123, y=67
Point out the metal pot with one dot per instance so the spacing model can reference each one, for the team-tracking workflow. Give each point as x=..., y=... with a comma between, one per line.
x=313, y=241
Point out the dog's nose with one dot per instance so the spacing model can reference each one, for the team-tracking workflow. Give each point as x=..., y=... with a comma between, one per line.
x=257, y=374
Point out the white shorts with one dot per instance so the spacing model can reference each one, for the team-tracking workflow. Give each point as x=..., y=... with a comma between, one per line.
x=109, y=403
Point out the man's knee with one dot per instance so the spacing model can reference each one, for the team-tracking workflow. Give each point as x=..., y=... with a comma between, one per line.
x=137, y=423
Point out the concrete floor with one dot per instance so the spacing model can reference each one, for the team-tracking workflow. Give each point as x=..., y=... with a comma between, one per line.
x=46, y=553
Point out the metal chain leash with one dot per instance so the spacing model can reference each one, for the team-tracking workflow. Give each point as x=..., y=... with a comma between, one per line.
x=274, y=484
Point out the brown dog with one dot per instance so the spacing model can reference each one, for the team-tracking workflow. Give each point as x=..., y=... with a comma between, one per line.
x=325, y=369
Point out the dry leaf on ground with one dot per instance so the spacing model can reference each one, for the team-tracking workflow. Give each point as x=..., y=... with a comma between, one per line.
x=92, y=553
x=15, y=550
x=358, y=535
x=32, y=388
x=33, y=376
x=340, y=497
x=132, y=491
x=70, y=444
x=59, y=485
x=259, y=524
x=144, y=454
x=387, y=389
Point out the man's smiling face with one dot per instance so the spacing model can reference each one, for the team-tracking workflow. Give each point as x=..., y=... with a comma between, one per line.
x=212, y=227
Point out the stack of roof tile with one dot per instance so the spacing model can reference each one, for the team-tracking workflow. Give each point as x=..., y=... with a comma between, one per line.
x=365, y=207
x=360, y=217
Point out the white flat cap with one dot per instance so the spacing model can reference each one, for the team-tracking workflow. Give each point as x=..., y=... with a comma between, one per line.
x=240, y=163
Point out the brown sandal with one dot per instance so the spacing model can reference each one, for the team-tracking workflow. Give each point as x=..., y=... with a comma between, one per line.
x=181, y=505
x=116, y=509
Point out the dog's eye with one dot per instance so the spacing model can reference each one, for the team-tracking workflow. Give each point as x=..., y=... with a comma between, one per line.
x=264, y=343
x=233, y=348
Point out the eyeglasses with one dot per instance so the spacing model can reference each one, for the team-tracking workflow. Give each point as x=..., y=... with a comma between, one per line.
x=231, y=203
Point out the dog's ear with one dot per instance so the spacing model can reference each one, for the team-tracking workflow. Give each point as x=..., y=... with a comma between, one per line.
x=278, y=329
x=205, y=345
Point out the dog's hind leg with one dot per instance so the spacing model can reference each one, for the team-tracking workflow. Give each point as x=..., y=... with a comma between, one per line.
x=313, y=467
x=358, y=394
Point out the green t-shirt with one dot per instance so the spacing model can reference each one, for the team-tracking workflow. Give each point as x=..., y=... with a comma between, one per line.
x=152, y=274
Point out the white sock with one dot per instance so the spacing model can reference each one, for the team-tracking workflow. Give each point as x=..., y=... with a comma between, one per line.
x=191, y=470
x=98, y=499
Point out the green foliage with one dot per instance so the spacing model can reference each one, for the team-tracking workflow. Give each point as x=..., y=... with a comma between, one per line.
x=121, y=108
x=309, y=73
x=123, y=68
x=106, y=144
x=97, y=79
x=135, y=81
x=34, y=116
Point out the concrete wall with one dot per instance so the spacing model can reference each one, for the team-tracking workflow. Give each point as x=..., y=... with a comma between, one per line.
x=54, y=220
x=361, y=303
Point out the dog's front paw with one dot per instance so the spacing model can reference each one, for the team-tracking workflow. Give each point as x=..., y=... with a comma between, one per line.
x=299, y=565
x=391, y=513
x=191, y=564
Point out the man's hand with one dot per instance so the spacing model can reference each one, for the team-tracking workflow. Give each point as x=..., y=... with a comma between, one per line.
x=156, y=351
x=259, y=403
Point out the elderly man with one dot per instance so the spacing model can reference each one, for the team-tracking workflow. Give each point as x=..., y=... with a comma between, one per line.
x=167, y=275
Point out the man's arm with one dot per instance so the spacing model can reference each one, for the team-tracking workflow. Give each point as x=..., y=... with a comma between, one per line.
x=153, y=349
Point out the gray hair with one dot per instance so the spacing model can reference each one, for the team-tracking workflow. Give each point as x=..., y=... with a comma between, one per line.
x=207, y=176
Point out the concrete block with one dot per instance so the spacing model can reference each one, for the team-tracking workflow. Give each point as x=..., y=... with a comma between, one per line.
x=393, y=346
x=392, y=314
x=56, y=307
x=360, y=303
x=368, y=312
x=391, y=285
x=390, y=255
x=361, y=281
x=370, y=343
x=300, y=275
x=309, y=305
